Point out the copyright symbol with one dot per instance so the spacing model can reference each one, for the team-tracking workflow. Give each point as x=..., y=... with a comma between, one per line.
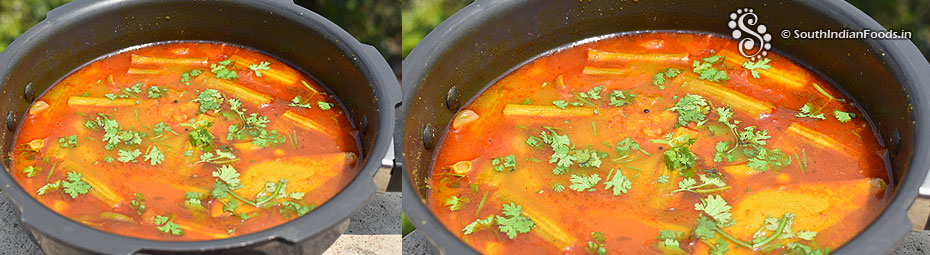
x=785, y=34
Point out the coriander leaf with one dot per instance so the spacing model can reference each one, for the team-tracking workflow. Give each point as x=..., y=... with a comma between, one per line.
x=220, y=71
x=662, y=179
x=229, y=175
x=669, y=239
x=514, y=222
x=299, y=209
x=138, y=203
x=221, y=157
x=558, y=187
x=156, y=92
x=619, y=183
x=324, y=105
x=200, y=136
x=672, y=72
x=705, y=228
x=588, y=158
x=186, y=77
x=298, y=102
x=167, y=226
x=690, y=108
x=30, y=171
x=843, y=117
x=560, y=103
x=75, y=186
x=800, y=249
x=807, y=235
x=806, y=111
x=154, y=156
x=761, y=64
x=68, y=141
x=721, y=153
x=48, y=187
x=717, y=208
x=678, y=156
x=210, y=100
x=455, y=203
x=260, y=66
x=753, y=137
x=719, y=247
x=532, y=141
x=192, y=197
x=582, y=183
x=508, y=162
x=478, y=224
x=137, y=88
x=689, y=184
x=686, y=183
x=764, y=160
x=596, y=246
x=625, y=146
x=563, y=153
x=706, y=70
x=220, y=190
x=594, y=93
x=618, y=98
x=231, y=205
x=659, y=78
x=126, y=156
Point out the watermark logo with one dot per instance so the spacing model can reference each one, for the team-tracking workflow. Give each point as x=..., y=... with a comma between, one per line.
x=753, y=41
x=846, y=34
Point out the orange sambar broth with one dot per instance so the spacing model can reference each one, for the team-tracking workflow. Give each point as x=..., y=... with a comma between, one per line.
x=164, y=185
x=631, y=222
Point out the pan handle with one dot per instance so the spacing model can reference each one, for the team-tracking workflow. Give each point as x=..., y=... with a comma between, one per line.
x=387, y=179
x=919, y=213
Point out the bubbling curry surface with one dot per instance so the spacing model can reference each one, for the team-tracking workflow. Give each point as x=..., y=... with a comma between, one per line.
x=658, y=143
x=185, y=141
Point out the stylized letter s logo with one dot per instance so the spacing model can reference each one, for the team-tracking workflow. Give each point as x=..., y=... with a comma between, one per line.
x=756, y=41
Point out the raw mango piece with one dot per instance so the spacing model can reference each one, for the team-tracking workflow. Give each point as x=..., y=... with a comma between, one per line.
x=816, y=206
x=195, y=229
x=740, y=171
x=304, y=174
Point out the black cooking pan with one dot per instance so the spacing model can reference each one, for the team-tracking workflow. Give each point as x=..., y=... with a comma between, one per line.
x=81, y=31
x=889, y=79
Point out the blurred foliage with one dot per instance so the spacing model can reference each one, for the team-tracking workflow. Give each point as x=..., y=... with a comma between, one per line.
x=421, y=16
x=908, y=15
x=406, y=225
x=373, y=22
x=17, y=16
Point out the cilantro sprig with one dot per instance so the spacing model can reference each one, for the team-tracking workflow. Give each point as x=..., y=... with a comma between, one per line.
x=691, y=108
x=659, y=78
x=678, y=156
x=691, y=185
x=263, y=66
x=455, y=203
x=807, y=111
x=707, y=71
x=762, y=64
x=584, y=183
x=618, y=182
x=511, y=223
x=508, y=162
x=166, y=225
